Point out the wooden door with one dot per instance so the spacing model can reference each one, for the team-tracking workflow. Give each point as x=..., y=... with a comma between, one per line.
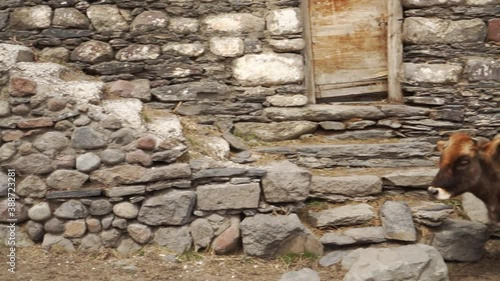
x=349, y=46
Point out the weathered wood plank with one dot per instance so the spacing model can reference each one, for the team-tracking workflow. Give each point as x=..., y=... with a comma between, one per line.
x=395, y=50
x=73, y=193
x=353, y=91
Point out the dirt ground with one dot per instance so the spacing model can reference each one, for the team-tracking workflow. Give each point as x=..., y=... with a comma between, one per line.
x=154, y=263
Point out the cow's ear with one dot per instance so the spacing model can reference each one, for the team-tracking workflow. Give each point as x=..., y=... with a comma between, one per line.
x=480, y=141
x=441, y=145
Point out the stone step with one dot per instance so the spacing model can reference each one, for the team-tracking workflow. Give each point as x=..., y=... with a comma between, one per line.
x=370, y=154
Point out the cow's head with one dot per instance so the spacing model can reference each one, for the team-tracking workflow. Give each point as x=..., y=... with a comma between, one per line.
x=459, y=166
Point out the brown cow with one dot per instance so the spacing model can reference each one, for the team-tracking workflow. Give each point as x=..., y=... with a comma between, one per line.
x=469, y=165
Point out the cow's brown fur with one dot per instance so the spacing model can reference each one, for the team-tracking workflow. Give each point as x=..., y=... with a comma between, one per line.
x=468, y=165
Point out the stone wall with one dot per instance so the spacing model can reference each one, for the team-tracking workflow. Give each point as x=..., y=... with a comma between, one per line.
x=103, y=160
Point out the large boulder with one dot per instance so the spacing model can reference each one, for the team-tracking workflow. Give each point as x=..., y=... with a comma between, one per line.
x=285, y=182
x=414, y=262
x=268, y=236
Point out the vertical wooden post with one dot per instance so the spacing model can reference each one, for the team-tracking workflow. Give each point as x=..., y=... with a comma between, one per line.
x=394, y=50
x=308, y=53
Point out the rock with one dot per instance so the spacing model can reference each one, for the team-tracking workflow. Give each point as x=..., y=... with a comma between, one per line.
x=268, y=69
x=35, y=123
x=125, y=136
x=323, y=112
x=7, y=151
x=334, y=239
x=431, y=214
x=397, y=221
x=131, y=174
x=107, y=220
x=4, y=108
x=432, y=73
x=90, y=243
x=482, y=69
x=138, y=52
x=284, y=21
x=235, y=23
x=54, y=226
x=235, y=142
x=176, y=239
x=111, y=122
x=26, y=18
x=125, y=190
x=106, y=18
x=4, y=16
x=22, y=87
x=93, y=225
x=419, y=30
x=148, y=21
x=56, y=104
x=128, y=246
x=189, y=91
x=35, y=230
x=87, y=138
x=119, y=223
x=87, y=162
x=287, y=101
x=352, y=186
x=460, y=240
x=111, y=238
x=51, y=240
x=189, y=49
x=112, y=156
x=411, y=178
x=66, y=179
x=12, y=54
x=475, y=209
x=100, y=207
x=6, y=214
x=139, y=157
x=183, y=25
x=40, y=212
x=75, y=229
x=305, y=274
x=287, y=45
x=70, y=18
x=202, y=233
x=345, y=215
x=146, y=143
x=169, y=208
x=285, y=182
x=227, y=196
x=126, y=210
x=333, y=257
x=286, y=130
x=139, y=89
x=92, y=52
x=493, y=27
x=229, y=240
x=71, y=209
x=32, y=186
x=267, y=236
x=227, y=46
x=412, y=262
x=139, y=232
x=364, y=135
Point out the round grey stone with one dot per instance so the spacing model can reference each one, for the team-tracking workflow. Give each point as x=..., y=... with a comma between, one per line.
x=112, y=156
x=100, y=207
x=54, y=226
x=40, y=212
x=71, y=209
x=35, y=230
x=87, y=162
x=51, y=140
x=126, y=210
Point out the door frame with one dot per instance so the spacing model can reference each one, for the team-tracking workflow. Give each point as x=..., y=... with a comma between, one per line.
x=394, y=52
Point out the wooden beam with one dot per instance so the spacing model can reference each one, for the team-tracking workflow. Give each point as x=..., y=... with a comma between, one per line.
x=308, y=53
x=353, y=91
x=394, y=50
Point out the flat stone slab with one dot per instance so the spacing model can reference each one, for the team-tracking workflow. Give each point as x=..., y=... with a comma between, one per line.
x=276, y=131
x=125, y=190
x=73, y=193
x=411, y=178
x=352, y=186
x=361, y=235
x=413, y=262
x=431, y=214
x=333, y=257
x=475, y=209
x=228, y=196
x=397, y=221
x=229, y=172
x=345, y=215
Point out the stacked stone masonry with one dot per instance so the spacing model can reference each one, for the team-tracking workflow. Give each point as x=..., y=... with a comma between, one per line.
x=101, y=160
